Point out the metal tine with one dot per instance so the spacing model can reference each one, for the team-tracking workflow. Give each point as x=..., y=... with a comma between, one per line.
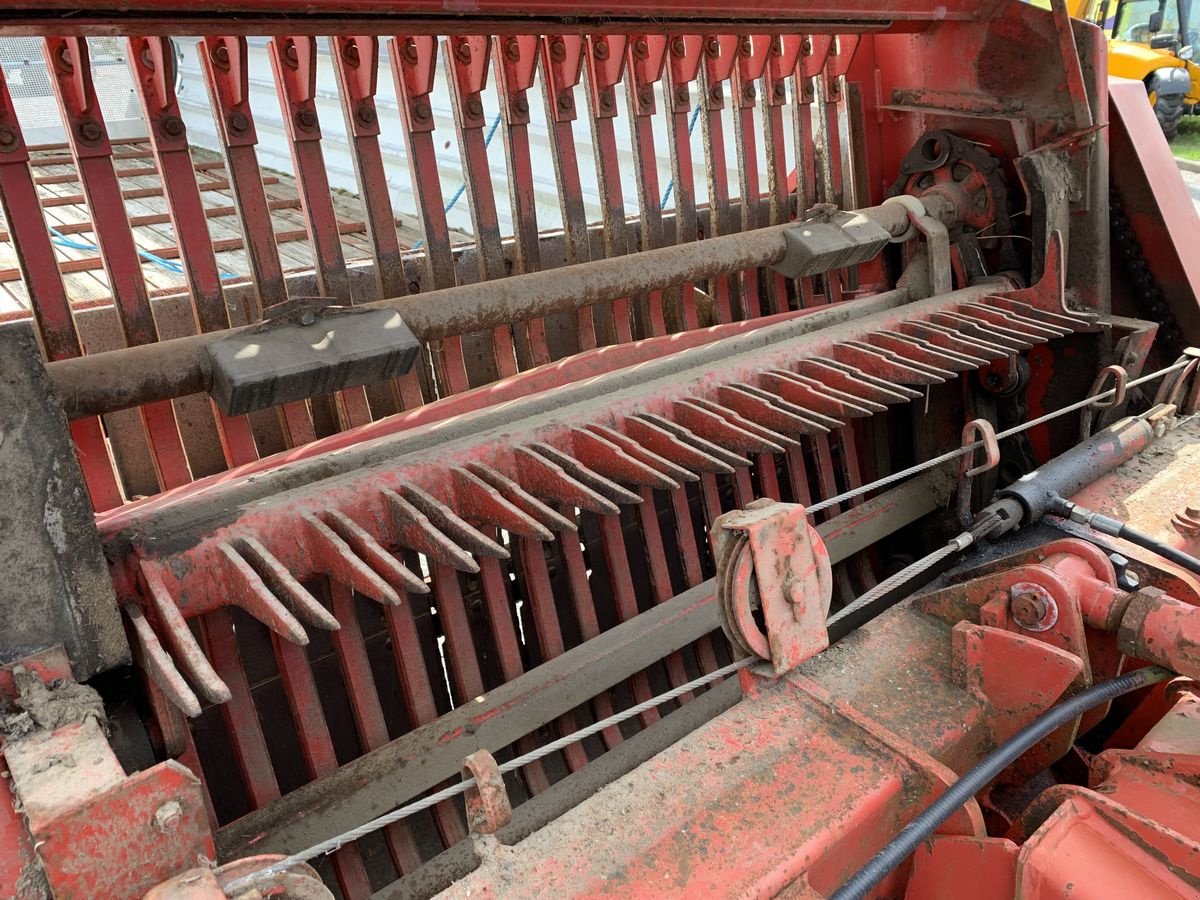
x=467, y=62
x=984, y=330
x=604, y=457
x=1016, y=320
x=562, y=67
x=337, y=559
x=785, y=51
x=910, y=357
x=605, y=70
x=579, y=472
x=941, y=336
x=644, y=68
x=645, y=455
x=152, y=62
x=356, y=65
x=801, y=409
x=721, y=430
x=770, y=410
x=69, y=68
x=522, y=499
x=414, y=530
x=852, y=381
x=225, y=61
x=447, y=522
x=157, y=663
x=647, y=431
x=926, y=352
x=414, y=63
x=769, y=435
x=546, y=479
x=814, y=395
x=39, y=269
x=395, y=573
x=184, y=647
x=694, y=441
x=515, y=59
x=752, y=57
x=1045, y=316
x=484, y=503
x=720, y=52
x=284, y=585
x=995, y=318
x=294, y=63
x=248, y=591
x=885, y=365
x=683, y=65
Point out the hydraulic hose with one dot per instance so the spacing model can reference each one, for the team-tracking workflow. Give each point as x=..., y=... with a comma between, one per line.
x=975, y=780
x=1116, y=528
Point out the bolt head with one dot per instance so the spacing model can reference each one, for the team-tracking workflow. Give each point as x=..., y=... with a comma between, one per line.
x=409, y=51
x=600, y=48
x=463, y=51
x=681, y=96
x=678, y=47
x=748, y=92
x=641, y=49
x=474, y=108
x=290, y=53
x=421, y=111
x=1032, y=607
x=306, y=118
x=512, y=50
x=172, y=126
x=606, y=101
x=239, y=123
x=90, y=131
x=564, y=101
x=365, y=115
x=715, y=94
x=646, y=96
x=779, y=90
x=8, y=139
x=350, y=53
x=558, y=50
x=521, y=106
x=746, y=47
x=168, y=817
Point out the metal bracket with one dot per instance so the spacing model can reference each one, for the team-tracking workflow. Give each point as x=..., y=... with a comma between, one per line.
x=1120, y=378
x=769, y=558
x=647, y=59
x=975, y=430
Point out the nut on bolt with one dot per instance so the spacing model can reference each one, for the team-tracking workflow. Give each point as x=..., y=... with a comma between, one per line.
x=168, y=816
x=1032, y=607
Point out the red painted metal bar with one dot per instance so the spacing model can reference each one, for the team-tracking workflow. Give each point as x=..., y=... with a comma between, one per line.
x=813, y=50
x=683, y=66
x=365, y=706
x=562, y=67
x=68, y=63
x=467, y=63
x=605, y=56
x=414, y=62
x=644, y=69
x=720, y=55
x=356, y=64
x=294, y=62
x=316, y=747
x=152, y=61
x=753, y=53
x=515, y=59
x=225, y=61
x=785, y=52
x=35, y=256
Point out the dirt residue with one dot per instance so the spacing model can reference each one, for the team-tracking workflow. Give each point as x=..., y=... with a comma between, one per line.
x=49, y=707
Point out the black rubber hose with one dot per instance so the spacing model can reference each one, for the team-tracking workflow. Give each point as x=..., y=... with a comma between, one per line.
x=902, y=845
x=1166, y=551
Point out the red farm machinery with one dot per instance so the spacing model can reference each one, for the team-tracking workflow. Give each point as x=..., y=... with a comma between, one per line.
x=670, y=449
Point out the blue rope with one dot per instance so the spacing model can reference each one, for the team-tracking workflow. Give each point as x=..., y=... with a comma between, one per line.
x=671, y=183
x=57, y=237
x=462, y=185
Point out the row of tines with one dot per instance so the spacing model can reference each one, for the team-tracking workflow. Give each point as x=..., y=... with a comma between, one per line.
x=452, y=520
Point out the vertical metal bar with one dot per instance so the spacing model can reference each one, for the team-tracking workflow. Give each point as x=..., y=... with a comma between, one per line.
x=414, y=62
x=39, y=269
x=684, y=54
x=647, y=57
x=515, y=61
x=356, y=64
x=605, y=68
x=463, y=662
x=294, y=63
x=152, y=61
x=785, y=51
x=545, y=616
x=562, y=67
x=316, y=746
x=720, y=53
x=467, y=59
x=366, y=709
x=419, y=699
x=753, y=54
x=224, y=61
x=241, y=718
x=660, y=577
x=68, y=64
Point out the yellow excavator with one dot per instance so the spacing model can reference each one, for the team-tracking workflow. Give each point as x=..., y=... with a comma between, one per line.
x=1151, y=41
